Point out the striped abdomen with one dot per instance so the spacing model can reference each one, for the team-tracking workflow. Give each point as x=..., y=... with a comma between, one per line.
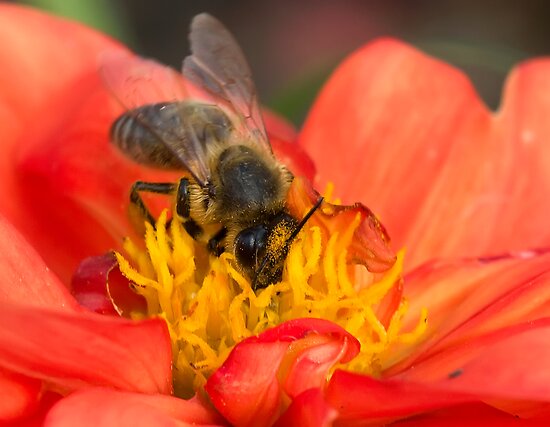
x=141, y=134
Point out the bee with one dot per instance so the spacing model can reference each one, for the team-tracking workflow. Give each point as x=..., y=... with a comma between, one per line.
x=234, y=183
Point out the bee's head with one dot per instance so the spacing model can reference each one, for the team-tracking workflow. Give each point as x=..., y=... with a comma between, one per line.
x=262, y=249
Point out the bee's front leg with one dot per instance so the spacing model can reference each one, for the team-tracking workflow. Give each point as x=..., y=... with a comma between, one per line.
x=150, y=187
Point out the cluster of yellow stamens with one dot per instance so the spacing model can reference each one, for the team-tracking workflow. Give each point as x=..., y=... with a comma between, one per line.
x=209, y=306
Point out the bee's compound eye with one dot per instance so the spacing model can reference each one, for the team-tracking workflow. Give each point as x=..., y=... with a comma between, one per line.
x=250, y=247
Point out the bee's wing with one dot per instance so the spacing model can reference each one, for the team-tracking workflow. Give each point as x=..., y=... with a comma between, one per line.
x=137, y=82
x=218, y=65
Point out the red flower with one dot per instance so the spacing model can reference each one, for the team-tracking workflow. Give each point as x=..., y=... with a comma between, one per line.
x=399, y=131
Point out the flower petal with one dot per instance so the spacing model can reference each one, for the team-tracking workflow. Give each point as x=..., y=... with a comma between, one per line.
x=25, y=278
x=20, y=396
x=472, y=415
x=291, y=357
x=519, y=164
x=308, y=409
x=72, y=350
x=104, y=407
x=370, y=245
x=424, y=153
x=99, y=285
x=359, y=397
x=508, y=364
x=48, y=63
x=469, y=298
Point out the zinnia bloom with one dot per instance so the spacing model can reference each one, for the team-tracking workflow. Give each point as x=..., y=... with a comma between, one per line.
x=463, y=190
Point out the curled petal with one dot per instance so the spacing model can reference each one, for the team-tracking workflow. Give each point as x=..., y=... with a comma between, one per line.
x=73, y=350
x=104, y=407
x=370, y=244
x=252, y=383
x=99, y=285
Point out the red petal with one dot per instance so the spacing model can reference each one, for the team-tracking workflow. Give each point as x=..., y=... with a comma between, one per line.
x=37, y=418
x=25, y=278
x=358, y=397
x=72, y=350
x=248, y=388
x=308, y=409
x=294, y=157
x=468, y=298
x=508, y=364
x=20, y=396
x=408, y=136
x=103, y=407
x=472, y=415
x=46, y=58
x=99, y=286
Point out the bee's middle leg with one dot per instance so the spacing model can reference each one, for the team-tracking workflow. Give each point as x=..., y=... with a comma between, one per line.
x=216, y=243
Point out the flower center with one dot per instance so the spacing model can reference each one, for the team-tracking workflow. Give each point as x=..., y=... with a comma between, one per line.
x=209, y=306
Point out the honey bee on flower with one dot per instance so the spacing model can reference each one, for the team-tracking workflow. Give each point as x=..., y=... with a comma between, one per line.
x=234, y=195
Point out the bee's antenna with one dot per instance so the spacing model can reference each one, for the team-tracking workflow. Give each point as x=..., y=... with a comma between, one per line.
x=304, y=219
x=290, y=238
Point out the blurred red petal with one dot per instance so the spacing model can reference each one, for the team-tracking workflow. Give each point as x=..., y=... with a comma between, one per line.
x=104, y=407
x=38, y=416
x=48, y=63
x=99, y=286
x=20, y=396
x=248, y=388
x=424, y=153
x=308, y=409
x=25, y=278
x=278, y=127
x=294, y=157
x=73, y=350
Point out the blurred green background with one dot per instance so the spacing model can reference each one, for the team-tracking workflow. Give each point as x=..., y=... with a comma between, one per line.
x=293, y=45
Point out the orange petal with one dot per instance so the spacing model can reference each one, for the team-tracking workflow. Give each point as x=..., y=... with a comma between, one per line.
x=408, y=136
x=73, y=350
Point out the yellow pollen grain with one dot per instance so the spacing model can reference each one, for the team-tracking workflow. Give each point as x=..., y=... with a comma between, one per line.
x=208, y=313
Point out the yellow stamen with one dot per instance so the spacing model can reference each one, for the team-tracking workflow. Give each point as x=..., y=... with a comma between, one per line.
x=209, y=306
